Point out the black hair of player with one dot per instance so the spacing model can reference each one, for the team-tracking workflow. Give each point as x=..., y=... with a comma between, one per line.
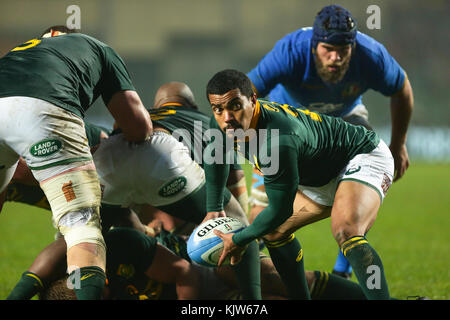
x=60, y=28
x=227, y=80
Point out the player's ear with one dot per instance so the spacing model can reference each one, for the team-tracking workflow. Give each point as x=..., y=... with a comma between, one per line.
x=55, y=33
x=253, y=98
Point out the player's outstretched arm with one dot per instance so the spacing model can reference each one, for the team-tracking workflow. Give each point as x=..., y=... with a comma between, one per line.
x=402, y=104
x=131, y=116
x=169, y=268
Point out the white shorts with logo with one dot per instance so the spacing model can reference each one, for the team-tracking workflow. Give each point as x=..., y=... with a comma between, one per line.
x=159, y=171
x=49, y=138
x=54, y=145
x=374, y=169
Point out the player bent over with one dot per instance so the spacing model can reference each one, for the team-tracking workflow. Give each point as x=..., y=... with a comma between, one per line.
x=162, y=173
x=47, y=85
x=325, y=166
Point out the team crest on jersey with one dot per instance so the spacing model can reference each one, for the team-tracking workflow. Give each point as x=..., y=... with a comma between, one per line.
x=46, y=147
x=126, y=270
x=351, y=89
x=173, y=187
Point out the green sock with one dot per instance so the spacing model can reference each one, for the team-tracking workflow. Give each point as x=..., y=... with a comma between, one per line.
x=367, y=267
x=28, y=285
x=328, y=286
x=248, y=273
x=88, y=282
x=287, y=256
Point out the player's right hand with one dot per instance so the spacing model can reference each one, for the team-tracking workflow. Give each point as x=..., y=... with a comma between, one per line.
x=214, y=214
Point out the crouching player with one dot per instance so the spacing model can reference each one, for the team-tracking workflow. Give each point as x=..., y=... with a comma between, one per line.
x=47, y=85
x=140, y=267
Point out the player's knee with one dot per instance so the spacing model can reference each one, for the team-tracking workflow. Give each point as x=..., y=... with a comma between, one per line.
x=83, y=228
x=343, y=230
x=274, y=238
x=74, y=197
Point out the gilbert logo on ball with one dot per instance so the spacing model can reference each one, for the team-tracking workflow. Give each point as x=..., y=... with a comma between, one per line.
x=204, y=247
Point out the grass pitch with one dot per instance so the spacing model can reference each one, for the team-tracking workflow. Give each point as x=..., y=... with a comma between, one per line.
x=411, y=235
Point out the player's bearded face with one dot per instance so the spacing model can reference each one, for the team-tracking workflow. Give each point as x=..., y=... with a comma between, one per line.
x=232, y=110
x=332, y=62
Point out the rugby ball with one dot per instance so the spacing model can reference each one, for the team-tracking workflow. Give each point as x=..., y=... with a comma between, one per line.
x=204, y=247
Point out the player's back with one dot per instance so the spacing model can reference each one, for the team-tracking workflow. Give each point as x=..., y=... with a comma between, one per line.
x=69, y=71
x=186, y=124
x=323, y=144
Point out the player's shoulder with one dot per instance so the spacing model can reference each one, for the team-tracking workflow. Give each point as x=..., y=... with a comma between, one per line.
x=84, y=37
x=298, y=39
x=368, y=47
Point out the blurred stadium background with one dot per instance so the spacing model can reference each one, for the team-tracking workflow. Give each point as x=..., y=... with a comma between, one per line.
x=190, y=40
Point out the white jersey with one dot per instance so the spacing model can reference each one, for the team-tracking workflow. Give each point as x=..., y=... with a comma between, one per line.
x=158, y=172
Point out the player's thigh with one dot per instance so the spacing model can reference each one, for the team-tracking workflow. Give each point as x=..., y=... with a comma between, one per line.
x=166, y=266
x=363, y=184
x=48, y=136
x=354, y=210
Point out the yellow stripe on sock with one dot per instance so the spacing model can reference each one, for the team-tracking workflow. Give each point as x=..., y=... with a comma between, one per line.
x=353, y=239
x=279, y=243
x=36, y=277
x=353, y=245
x=316, y=285
x=300, y=256
x=324, y=284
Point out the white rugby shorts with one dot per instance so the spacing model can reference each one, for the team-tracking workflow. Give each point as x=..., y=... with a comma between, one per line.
x=50, y=139
x=158, y=172
x=374, y=169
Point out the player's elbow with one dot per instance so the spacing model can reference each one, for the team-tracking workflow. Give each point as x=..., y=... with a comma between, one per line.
x=141, y=130
x=131, y=116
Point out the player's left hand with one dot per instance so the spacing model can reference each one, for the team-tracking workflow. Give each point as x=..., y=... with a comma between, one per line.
x=229, y=248
x=401, y=160
x=214, y=214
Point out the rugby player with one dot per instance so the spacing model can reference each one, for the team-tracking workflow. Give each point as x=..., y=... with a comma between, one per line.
x=327, y=69
x=167, y=174
x=173, y=94
x=162, y=173
x=325, y=167
x=47, y=85
x=140, y=267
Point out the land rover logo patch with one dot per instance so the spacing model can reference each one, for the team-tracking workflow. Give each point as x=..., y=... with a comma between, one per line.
x=173, y=187
x=45, y=147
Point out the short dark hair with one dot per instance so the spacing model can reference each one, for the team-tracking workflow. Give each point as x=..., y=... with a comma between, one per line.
x=58, y=290
x=227, y=80
x=60, y=28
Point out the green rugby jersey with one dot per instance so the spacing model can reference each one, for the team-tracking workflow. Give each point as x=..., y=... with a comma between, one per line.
x=129, y=254
x=189, y=123
x=312, y=149
x=70, y=71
